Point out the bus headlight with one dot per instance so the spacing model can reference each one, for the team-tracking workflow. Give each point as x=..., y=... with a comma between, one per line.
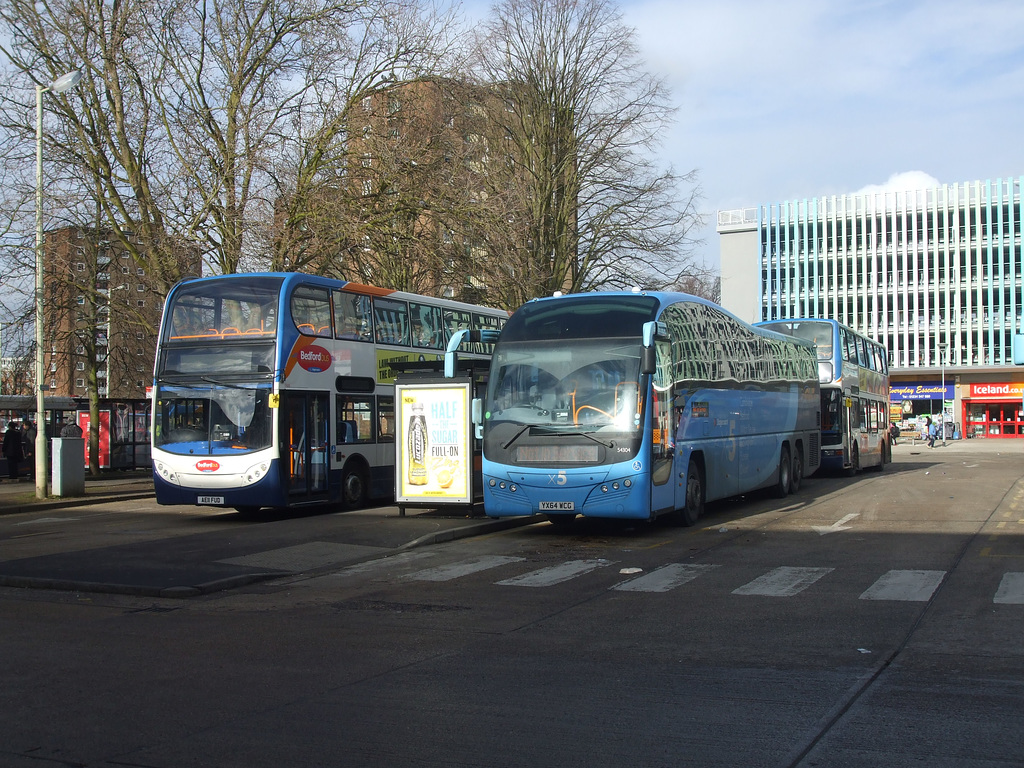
x=167, y=473
x=255, y=473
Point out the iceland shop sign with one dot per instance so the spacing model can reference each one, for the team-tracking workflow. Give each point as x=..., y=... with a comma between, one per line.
x=920, y=390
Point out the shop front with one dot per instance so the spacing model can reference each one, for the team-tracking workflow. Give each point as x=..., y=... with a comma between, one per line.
x=993, y=409
x=912, y=403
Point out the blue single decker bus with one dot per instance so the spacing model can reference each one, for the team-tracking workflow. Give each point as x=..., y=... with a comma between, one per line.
x=640, y=404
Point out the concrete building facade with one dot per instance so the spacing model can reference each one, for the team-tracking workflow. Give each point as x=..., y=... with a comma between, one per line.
x=935, y=275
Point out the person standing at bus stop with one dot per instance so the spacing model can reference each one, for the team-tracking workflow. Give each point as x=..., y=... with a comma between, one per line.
x=28, y=441
x=13, y=449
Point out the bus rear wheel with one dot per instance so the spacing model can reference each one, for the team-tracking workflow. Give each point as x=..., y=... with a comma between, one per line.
x=796, y=479
x=785, y=473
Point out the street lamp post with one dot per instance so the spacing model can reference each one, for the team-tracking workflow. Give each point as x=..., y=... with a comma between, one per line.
x=61, y=84
x=942, y=364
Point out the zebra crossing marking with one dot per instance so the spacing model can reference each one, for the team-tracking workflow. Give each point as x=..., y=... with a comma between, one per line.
x=1011, y=590
x=665, y=578
x=907, y=586
x=784, y=581
x=376, y=565
x=463, y=568
x=555, y=574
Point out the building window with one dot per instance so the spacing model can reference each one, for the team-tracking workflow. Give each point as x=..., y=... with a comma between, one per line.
x=80, y=383
x=140, y=303
x=80, y=366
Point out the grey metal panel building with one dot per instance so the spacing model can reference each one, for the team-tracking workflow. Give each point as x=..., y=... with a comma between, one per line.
x=924, y=272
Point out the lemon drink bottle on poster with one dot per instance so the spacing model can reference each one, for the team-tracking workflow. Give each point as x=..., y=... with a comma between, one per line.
x=418, y=473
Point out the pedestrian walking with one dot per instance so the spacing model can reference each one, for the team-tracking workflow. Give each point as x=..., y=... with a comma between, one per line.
x=29, y=445
x=14, y=449
x=929, y=432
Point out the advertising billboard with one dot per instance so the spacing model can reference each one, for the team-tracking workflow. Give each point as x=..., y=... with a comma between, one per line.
x=434, y=442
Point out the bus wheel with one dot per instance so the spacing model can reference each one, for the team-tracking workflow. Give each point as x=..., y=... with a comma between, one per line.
x=353, y=486
x=796, y=479
x=854, y=461
x=694, y=507
x=785, y=472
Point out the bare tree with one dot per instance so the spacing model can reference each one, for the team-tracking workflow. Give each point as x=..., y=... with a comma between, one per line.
x=580, y=127
x=705, y=283
x=208, y=123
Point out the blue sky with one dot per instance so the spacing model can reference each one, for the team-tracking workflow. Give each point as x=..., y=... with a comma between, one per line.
x=793, y=99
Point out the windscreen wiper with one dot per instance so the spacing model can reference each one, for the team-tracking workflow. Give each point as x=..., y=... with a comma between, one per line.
x=590, y=435
x=516, y=436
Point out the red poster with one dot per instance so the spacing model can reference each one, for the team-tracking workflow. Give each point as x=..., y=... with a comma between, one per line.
x=83, y=422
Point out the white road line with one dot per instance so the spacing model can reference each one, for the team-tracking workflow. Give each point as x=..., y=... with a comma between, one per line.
x=783, y=582
x=665, y=578
x=909, y=586
x=1011, y=589
x=555, y=574
x=385, y=562
x=455, y=570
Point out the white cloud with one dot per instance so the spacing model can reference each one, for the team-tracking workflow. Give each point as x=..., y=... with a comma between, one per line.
x=906, y=181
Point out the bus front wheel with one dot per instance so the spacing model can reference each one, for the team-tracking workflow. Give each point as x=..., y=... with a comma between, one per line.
x=784, y=474
x=854, y=461
x=694, y=507
x=354, y=487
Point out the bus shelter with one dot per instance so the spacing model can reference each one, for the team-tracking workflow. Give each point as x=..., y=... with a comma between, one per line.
x=123, y=425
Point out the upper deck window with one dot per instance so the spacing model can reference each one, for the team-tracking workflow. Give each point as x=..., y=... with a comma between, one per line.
x=311, y=310
x=391, y=319
x=224, y=309
x=353, y=317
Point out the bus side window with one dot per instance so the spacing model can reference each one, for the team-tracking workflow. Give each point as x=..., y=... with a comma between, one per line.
x=391, y=319
x=352, y=316
x=426, y=326
x=353, y=419
x=311, y=310
x=386, y=419
x=455, y=320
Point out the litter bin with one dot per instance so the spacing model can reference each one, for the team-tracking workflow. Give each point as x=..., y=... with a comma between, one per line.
x=68, y=466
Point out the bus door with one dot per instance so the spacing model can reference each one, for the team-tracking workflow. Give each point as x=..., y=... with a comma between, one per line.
x=850, y=427
x=663, y=438
x=305, y=421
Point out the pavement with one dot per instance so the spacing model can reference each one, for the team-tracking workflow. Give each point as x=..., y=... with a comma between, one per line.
x=191, y=551
x=56, y=544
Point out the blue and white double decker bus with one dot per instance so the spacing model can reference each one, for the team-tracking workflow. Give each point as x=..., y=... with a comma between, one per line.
x=853, y=372
x=640, y=404
x=277, y=389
